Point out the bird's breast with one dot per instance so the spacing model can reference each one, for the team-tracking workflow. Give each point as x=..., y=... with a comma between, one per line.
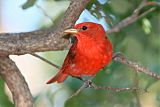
x=89, y=60
x=90, y=57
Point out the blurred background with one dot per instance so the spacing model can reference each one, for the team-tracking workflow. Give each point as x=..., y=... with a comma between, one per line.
x=140, y=42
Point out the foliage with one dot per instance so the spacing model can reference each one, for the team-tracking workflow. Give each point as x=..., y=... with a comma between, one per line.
x=139, y=41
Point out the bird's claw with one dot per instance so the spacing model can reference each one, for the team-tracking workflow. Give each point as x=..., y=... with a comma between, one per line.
x=88, y=83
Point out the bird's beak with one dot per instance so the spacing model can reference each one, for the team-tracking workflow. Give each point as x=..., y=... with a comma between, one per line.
x=71, y=31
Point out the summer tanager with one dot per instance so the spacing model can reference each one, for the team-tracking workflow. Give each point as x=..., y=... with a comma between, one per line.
x=90, y=52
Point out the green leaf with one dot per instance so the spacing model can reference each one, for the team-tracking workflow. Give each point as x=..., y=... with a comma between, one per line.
x=28, y=4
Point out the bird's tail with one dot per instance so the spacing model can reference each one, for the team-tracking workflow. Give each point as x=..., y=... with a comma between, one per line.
x=60, y=77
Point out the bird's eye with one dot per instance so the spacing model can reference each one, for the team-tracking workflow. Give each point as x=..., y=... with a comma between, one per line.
x=84, y=27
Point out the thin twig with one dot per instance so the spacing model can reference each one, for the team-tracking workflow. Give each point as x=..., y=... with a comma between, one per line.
x=146, y=12
x=89, y=84
x=142, y=5
x=94, y=86
x=120, y=58
x=78, y=91
x=47, y=61
x=152, y=3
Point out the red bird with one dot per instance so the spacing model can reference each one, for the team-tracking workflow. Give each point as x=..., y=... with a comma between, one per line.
x=91, y=52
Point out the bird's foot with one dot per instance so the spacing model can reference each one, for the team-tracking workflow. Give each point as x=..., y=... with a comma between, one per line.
x=88, y=83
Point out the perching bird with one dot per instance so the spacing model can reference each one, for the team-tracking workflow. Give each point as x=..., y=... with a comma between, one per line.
x=90, y=52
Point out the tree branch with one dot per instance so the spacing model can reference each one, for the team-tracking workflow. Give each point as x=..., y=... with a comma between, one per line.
x=118, y=57
x=16, y=83
x=47, y=61
x=134, y=17
x=89, y=84
x=42, y=40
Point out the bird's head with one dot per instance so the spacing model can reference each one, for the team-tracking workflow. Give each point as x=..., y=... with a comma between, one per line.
x=88, y=30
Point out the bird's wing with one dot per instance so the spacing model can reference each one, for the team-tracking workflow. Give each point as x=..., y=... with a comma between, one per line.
x=61, y=75
x=70, y=56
